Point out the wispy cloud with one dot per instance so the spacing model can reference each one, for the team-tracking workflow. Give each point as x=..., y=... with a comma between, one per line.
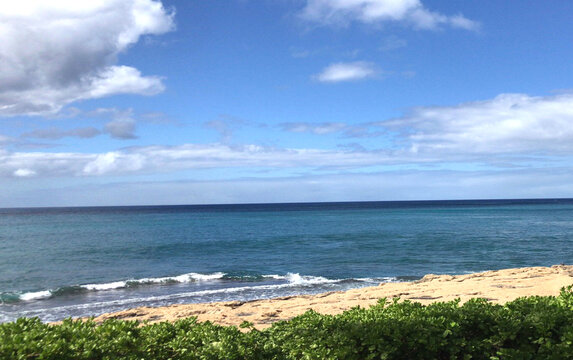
x=392, y=43
x=122, y=124
x=352, y=71
x=163, y=159
x=119, y=124
x=54, y=133
x=121, y=129
x=6, y=140
x=411, y=12
x=365, y=130
x=54, y=53
x=225, y=125
x=318, y=129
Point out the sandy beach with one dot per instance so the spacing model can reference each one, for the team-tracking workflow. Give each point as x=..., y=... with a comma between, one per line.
x=496, y=286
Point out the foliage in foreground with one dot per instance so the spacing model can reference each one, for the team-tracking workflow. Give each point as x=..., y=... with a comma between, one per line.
x=527, y=328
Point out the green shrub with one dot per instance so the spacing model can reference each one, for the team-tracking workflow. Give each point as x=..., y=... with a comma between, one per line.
x=528, y=328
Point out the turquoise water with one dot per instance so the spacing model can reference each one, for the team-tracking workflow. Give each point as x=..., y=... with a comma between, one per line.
x=62, y=262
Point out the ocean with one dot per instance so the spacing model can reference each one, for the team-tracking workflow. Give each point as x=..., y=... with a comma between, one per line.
x=62, y=262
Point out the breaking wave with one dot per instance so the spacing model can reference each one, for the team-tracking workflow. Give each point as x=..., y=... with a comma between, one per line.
x=288, y=280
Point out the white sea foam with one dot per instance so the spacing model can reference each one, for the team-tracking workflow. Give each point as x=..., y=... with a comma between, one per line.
x=37, y=295
x=107, y=286
x=291, y=280
x=171, y=297
x=291, y=284
x=185, y=278
x=207, y=277
x=387, y=279
x=298, y=279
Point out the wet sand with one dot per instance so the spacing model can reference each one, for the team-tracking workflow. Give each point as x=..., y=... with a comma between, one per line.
x=495, y=286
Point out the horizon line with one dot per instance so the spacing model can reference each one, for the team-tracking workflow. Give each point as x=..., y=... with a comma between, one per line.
x=474, y=201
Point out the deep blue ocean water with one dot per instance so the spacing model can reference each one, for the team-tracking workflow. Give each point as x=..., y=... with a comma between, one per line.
x=61, y=262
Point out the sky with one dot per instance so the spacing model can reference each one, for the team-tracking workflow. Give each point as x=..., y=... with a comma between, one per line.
x=149, y=102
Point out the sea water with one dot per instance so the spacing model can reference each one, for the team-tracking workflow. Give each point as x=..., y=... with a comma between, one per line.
x=62, y=262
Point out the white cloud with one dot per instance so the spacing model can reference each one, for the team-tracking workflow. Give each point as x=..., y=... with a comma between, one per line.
x=123, y=80
x=159, y=159
x=352, y=71
x=42, y=164
x=56, y=52
x=24, y=173
x=413, y=12
x=508, y=123
x=114, y=163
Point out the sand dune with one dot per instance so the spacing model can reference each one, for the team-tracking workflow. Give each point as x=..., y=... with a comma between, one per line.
x=496, y=286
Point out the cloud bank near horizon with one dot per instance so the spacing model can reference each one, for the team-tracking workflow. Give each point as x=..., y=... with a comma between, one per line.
x=508, y=130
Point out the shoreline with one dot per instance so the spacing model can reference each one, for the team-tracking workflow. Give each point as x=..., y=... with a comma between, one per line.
x=498, y=286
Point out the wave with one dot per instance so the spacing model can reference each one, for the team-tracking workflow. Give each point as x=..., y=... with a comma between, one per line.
x=11, y=297
x=289, y=280
x=185, y=278
x=298, y=279
x=243, y=293
x=36, y=295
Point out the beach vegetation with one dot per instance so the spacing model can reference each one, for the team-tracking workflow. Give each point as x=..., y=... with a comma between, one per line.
x=532, y=327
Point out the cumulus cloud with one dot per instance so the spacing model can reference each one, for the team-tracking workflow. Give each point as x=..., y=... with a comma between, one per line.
x=508, y=123
x=339, y=72
x=114, y=163
x=56, y=52
x=412, y=12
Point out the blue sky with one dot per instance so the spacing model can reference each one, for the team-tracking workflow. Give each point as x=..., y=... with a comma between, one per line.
x=134, y=102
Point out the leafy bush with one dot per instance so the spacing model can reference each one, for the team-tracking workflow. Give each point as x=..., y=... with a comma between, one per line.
x=527, y=328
